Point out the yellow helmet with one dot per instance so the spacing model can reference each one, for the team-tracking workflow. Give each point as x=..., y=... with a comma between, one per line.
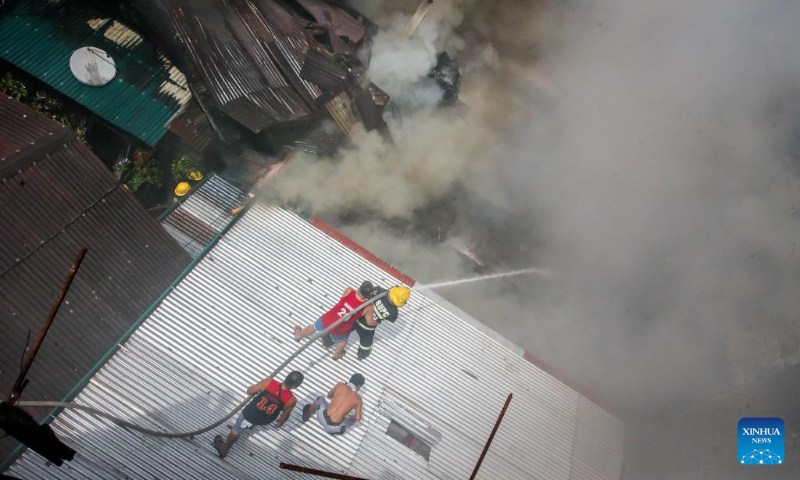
x=399, y=295
x=182, y=189
x=195, y=175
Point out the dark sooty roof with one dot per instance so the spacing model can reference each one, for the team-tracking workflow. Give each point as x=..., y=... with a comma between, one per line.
x=246, y=55
x=256, y=62
x=55, y=197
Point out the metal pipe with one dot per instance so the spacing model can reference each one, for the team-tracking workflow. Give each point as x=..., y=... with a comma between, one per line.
x=422, y=10
x=318, y=473
x=491, y=437
x=19, y=383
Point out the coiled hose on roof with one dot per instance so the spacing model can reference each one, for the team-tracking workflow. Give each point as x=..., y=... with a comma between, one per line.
x=166, y=434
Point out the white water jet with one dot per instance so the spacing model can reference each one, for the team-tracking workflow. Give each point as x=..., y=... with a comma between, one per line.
x=526, y=271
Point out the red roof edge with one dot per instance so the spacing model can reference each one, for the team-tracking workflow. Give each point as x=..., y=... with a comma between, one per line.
x=556, y=373
x=386, y=267
x=369, y=256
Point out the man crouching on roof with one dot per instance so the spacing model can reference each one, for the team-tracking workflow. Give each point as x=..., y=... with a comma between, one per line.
x=270, y=400
x=351, y=299
x=334, y=417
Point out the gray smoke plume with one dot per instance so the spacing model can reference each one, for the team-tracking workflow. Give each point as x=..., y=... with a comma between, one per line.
x=663, y=185
x=430, y=151
x=375, y=175
x=663, y=180
x=652, y=148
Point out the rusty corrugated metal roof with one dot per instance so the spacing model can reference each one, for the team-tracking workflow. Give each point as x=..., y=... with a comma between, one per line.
x=323, y=70
x=192, y=125
x=25, y=137
x=256, y=61
x=243, y=60
x=339, y=22
x=58, y=200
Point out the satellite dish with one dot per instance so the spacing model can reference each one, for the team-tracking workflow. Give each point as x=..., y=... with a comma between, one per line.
x=92, y=66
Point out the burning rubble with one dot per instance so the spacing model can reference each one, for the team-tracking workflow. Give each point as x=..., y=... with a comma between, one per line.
x=281, y=79
x=256, y=65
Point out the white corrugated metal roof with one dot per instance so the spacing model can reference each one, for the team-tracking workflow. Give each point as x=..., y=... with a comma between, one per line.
x=229, y=322
x=205, y=213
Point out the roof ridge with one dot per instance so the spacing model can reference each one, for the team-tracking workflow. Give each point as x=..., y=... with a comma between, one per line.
x=36, y=151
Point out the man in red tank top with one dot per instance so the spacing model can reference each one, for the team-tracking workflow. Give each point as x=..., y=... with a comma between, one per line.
x=351, y=299
x=271, y=398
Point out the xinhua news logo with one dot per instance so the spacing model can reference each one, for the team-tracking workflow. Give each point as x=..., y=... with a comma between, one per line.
x=761, y=441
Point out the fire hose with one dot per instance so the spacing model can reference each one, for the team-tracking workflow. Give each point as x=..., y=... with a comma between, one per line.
x=166, y=434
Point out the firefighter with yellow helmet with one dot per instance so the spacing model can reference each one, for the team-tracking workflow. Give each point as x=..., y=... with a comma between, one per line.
x=384, y=308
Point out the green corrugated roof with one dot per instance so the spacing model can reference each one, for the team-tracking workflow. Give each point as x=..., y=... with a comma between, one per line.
x=39, y=37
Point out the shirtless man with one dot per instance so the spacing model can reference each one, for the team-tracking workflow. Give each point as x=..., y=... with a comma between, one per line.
x=334, y=417
x=350, y=300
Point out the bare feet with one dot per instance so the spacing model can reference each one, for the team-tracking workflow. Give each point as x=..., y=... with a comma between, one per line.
x=297, y=331
x=308, y=410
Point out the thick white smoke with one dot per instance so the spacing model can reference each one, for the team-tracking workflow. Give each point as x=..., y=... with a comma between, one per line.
x=652, y=147
x=663, y=184
x=430, y=150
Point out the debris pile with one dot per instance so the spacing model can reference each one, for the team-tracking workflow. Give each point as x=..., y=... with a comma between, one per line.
x=259, y=63
x=263, y=70
x=448, y=77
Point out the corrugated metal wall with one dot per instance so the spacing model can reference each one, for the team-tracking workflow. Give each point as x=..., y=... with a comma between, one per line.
x=229, y=322
x=205, y=213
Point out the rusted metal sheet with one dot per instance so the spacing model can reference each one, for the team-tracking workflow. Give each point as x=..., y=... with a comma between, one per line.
x=63, y=200
x=345, y=115
x=322, y=70
x=292, y=42
x=193, y=126
x=338, y=21
x=247, y=54
x=371, y=114
x=26, y=137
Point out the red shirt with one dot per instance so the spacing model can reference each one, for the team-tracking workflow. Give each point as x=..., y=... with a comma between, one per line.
x=347, y=304
x=266, y=404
